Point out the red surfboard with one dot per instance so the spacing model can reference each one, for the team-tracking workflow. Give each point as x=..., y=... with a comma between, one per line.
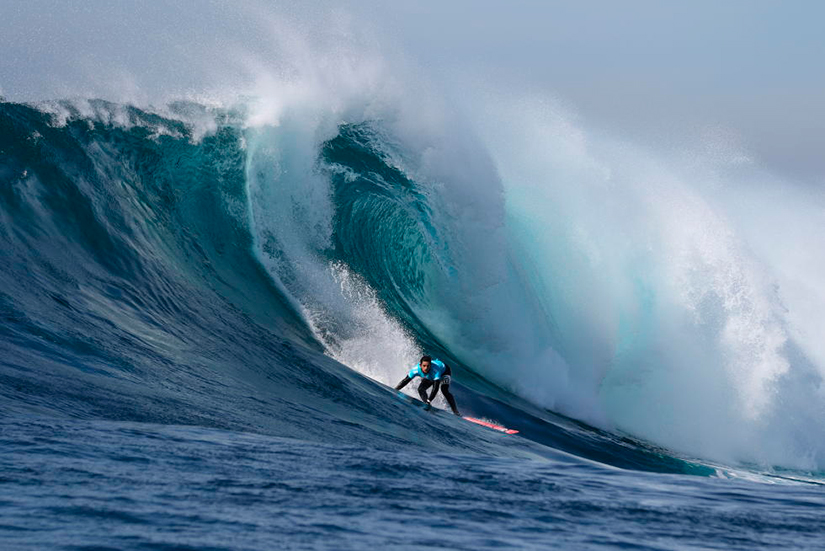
x=490, y=425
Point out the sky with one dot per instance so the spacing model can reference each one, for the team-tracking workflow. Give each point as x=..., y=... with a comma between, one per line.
x=644, y=69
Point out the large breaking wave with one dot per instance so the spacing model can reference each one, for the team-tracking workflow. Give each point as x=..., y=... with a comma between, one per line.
x=672, y=296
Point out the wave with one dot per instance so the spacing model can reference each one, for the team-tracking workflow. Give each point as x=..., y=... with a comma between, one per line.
x=200, y=265
x=634, y=290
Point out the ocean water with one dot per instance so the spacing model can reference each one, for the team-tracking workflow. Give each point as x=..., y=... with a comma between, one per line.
x=204, y=308
x=72, y=484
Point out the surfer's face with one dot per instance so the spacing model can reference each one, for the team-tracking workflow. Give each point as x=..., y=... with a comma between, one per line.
x=425, y=366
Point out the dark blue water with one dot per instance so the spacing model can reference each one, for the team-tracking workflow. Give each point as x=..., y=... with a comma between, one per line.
x=168, y=381
x=72, y=484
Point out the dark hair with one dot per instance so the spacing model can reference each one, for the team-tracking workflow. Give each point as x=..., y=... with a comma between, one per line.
x=425, y=359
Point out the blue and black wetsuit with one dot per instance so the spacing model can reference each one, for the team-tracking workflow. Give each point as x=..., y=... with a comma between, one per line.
x=438, y=376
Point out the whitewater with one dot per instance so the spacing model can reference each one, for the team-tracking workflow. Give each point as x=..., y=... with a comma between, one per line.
x=207, y=297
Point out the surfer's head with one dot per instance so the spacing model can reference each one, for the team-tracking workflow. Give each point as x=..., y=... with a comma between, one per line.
x=425, y=363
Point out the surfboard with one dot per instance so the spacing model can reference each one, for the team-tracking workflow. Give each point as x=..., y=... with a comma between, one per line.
x=490, y=425
x=477, y=421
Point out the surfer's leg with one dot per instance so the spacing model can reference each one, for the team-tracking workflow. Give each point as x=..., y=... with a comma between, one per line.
x=422, y=389
x=445, y=390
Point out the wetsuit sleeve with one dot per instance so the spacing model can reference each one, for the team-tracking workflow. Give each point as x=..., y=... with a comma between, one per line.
x=422, y=390
x=403, y=382
x=436, y=386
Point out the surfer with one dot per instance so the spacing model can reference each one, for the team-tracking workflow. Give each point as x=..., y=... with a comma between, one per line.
x=433, y=373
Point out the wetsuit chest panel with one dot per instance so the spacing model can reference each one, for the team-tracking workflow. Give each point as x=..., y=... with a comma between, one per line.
x=437, y=369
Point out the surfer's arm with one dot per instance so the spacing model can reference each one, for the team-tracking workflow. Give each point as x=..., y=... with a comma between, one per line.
x=403, y=383
x=436, y=386
x=422, y=390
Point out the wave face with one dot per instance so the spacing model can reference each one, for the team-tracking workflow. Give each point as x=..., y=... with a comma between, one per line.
x=131, y=290
x=200, y=266
x=630, y=289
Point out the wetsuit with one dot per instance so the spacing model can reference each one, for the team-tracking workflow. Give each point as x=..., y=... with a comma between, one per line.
x=438, y=376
